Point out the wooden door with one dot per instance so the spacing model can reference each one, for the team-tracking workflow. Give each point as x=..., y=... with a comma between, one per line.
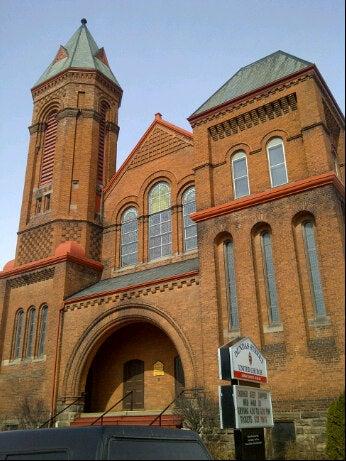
x=134, y=381
x=179, y=377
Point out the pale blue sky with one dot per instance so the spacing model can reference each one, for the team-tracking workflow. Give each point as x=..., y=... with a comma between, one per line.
x=168, y=55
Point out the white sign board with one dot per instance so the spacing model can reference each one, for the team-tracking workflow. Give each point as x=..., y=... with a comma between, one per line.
x=253, y=407
x=247, y=363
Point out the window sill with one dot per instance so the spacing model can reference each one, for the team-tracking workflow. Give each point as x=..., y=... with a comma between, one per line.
x=232, y=334
x=322, y=321
x=273, y=328
x=22, y=361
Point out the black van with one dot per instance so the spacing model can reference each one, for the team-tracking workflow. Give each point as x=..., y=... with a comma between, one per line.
x=102, y=442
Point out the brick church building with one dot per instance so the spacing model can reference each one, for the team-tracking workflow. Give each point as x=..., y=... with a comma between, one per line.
x=130, y=279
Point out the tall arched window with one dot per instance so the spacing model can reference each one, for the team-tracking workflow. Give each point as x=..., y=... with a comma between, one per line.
x=269, y=273
x=190, y=227
x=47, y=163
x=231, y=285
x=240, y=175
x=42, y=330
x=30, y=332
x=160, y=225
x=312, y=259
x=129, y=237
x=277, y=162
x=18, y=334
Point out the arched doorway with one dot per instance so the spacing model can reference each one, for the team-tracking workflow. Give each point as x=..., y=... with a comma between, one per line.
x=138, y=357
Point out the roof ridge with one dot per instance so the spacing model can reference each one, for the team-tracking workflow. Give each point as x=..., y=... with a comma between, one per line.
x=76, y=44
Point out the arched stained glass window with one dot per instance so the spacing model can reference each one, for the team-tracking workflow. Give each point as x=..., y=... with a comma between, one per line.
x=315, y=277
x=240, y=175
x=160, y=225
x=190, y=227
x=42, y=330
x=47, y=163
x=277, y=162
x=30, y=332
x=269, y=273
x=18, y=334
x=231, y=285
x=129, y=237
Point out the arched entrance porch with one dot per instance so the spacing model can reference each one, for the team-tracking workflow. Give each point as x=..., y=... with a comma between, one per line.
x=138, y=358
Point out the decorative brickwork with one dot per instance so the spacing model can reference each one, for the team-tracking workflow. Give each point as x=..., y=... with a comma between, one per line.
x=95, y=243
x=259, y=115
x=35, y=244
x=133, y=293
x=71, y=231
x=32, y=277
x=158, y=144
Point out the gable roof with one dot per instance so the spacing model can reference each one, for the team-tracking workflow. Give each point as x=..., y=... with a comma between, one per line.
x=256, y=75
x=157, y=122
x=81, y=51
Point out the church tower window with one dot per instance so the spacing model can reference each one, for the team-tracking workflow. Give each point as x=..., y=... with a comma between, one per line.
x=160, y=221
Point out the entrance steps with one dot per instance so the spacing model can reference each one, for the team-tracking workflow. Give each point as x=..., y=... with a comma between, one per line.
x=129, y=418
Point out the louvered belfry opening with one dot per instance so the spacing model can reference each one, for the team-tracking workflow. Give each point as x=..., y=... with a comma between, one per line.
x=47, y=164
x=101, y=154
x=100, y=161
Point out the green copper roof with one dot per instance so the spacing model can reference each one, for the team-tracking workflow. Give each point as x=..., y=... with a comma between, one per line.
x=140, y=277
x=79, y=52
x=260, y=73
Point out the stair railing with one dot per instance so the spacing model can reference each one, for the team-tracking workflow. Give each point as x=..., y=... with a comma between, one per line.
x=159, y=417
x=50, y=420
x=111, y=408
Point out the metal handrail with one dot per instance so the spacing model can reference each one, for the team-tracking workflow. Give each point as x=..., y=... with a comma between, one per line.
x=59, y=413
x=196, y=389
x=111, y=408
x=162, y=412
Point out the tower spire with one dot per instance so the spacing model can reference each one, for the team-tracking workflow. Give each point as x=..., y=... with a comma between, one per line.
x=80, y=52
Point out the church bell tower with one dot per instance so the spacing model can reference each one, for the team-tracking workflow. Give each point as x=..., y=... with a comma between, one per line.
x=72, y=151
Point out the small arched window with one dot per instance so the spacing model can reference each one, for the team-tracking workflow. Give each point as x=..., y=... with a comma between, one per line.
x=277, y=162
x=312, y=259
x=47, y=163
x=42, y=330
x=129, y=237
x=240, y=175
x=18, y=334
x=30, y=332
x=160, y=225
x=231, y=284
x=269, y=273
x=190, y=227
